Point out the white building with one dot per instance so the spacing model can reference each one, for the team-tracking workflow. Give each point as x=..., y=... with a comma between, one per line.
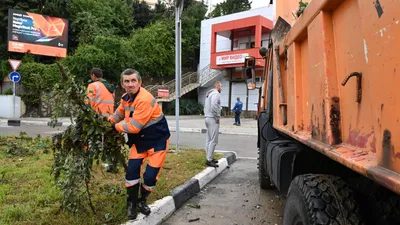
x=224, y=43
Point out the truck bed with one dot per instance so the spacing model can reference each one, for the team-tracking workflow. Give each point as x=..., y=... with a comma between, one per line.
x=355, y=124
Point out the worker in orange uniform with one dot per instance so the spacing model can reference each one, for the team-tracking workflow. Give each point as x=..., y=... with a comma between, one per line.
x=100, y=93
x=140, y=116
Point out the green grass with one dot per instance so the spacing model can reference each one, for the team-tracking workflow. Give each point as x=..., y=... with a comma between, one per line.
x=28, y=196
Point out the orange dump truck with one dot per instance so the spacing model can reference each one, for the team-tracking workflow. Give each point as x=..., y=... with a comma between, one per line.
x=329, y=111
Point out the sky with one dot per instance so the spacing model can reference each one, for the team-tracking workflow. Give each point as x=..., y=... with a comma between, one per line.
x=259, y=3
x=255, y=3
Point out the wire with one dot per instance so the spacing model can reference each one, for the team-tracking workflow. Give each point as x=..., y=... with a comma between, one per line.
x=262, y=131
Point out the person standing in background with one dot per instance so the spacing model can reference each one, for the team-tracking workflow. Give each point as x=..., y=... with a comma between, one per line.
x=237, y=110
x=100, y=93
x=212, y=113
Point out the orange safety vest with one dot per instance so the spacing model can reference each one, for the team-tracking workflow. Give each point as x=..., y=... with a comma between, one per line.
x=100, y=98
x=141, y=117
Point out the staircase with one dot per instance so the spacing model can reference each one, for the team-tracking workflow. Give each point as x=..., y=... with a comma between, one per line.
x=189, y=82
x=208, y=75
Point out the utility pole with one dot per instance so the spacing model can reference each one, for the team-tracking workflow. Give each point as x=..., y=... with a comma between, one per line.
x=178, y=13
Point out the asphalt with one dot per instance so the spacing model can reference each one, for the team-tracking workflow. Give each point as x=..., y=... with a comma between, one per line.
x=243, y=145
x=194, y=124
x=236, y=189
x=234, y=198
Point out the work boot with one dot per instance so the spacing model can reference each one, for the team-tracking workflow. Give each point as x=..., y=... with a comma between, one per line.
x=132, y=199
x=143, y=207
x=212, y=164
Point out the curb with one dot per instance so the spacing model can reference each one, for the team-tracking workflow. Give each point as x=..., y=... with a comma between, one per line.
x=204, y=130
x=189, y=130
x=66, y=124
x=18, y=123
x=14, y=123
x=162, y=209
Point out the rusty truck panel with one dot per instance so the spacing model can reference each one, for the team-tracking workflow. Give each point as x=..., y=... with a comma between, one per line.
x=340, y=67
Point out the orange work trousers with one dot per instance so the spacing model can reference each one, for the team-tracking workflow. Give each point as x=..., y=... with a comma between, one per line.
x=153, y=169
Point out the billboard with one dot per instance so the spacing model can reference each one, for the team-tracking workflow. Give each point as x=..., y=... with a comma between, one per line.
x=37, y=34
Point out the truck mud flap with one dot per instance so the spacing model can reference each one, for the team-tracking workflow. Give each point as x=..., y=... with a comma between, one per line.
x=266, y=131
x=280, y=157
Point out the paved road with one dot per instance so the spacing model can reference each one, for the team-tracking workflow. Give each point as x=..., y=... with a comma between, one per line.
x=30, y=129
x=233, y=198
x=243, y=145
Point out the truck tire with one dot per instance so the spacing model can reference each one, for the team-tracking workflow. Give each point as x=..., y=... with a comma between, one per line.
x=315, y=199
x=263, y=177
x=387, y=208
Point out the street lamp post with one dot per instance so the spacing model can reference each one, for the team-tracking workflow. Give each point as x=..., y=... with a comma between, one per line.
x=178, y=12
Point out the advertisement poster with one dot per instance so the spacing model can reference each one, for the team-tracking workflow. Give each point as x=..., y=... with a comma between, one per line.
x=37, y=34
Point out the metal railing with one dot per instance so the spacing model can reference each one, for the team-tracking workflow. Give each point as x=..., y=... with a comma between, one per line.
x=200, y=78
x=149, y=87
x=191, y=78
x=187, y=79
x=206, y=74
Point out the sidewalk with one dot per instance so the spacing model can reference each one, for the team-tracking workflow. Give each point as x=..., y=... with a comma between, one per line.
x=193, y=124
x=197, y=124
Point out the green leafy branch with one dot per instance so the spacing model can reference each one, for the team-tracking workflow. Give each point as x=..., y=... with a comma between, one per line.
x=88, y=140
x=302, y=7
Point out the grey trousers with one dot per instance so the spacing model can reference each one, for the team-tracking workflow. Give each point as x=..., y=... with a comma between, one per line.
x=211, y=137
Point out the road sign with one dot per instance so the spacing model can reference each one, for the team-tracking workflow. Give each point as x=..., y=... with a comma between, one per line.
x=15, y=77
x=163, y=93
x=14, y=63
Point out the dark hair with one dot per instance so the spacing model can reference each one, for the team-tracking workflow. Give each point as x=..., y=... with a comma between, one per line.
x=130, y=71
x=97, y=72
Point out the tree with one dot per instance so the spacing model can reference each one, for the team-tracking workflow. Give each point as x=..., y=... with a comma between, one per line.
x=90, y=18
x=143, y=14
x=162, y=11
x=55, y=8
x=110, y=53
x=154, y=49
x=229, y=7
x=191, y=29
x=187, y=3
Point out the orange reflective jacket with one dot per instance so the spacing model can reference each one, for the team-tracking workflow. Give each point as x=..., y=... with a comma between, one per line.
x=141, y=117
x=100, y=98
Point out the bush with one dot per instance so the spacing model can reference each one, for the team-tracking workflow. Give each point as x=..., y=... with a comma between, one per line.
x=186, y=107
x=37, y=77
x=23, y=145
x=8, y=92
